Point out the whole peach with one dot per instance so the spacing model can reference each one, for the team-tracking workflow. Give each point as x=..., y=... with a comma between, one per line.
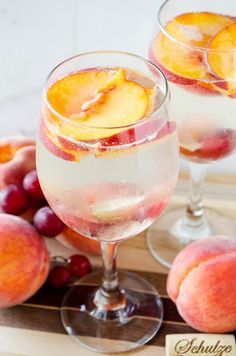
x=24, y=262
x=202, y=283
x=10, y=144
x=17, y=158
x=13, y=171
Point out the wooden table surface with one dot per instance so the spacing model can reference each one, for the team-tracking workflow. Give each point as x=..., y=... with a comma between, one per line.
x=34, y=328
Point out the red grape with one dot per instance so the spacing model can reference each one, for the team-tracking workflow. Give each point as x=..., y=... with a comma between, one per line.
x=36, y=203
x=32, y=186
x=59, y=277
x=13, y=199
x=79, y=265
x=47, y=223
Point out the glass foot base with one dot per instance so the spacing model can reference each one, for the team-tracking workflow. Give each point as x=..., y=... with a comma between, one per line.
x=169, y=234
x=130, y=327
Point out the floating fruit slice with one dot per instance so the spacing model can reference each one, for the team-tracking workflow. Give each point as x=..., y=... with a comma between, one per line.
x=112, y=202
x=47, y=140
x=117, y=78
x=211, y=147
x=222, y=58
x=68, y=94
x=182, y=62
x=97, y=99
x=150, y=129
x=151, y=134
x=117, y=209
x=59, y=146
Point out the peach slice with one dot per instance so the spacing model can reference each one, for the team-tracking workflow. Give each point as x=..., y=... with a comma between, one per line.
x=116, y=202
x=98, y=99
x=71, y=146
x=210, y=147
x=192, y=29
x=60, y=146
x=223, y=55
x=67, y=96
x=151, y=128
x=110, y=202
x=142, y=137
x=51, y=146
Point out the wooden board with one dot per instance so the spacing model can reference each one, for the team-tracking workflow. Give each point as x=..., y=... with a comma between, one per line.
x=34, y=328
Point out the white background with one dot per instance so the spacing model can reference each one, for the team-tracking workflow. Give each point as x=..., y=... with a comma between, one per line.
x=36, y=35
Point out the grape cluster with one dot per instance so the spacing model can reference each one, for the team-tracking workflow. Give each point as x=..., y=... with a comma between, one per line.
x=16, y=199
x=76, y=266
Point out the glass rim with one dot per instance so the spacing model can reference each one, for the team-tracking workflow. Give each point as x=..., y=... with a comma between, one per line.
x=145, y=118
x=195, y=48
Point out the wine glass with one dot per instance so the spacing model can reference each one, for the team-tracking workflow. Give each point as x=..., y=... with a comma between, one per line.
x=195, y=47
x=108, y=173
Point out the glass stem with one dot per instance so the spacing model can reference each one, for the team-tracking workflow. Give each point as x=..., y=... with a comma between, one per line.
x=195, y=208
x=109, y=296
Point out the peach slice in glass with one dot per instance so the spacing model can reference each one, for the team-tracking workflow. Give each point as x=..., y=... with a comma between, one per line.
x=222, y=58
x=186, y=63
x=59, y=146
x=152, y=132
x=97, y=99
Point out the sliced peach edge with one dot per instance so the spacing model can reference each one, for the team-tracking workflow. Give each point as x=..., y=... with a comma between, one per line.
x=174, y=66
x=53, y=144
x=104, y=108
x=221, y=59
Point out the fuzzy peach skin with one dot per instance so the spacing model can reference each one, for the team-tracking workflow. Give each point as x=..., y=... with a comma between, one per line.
x=202, y=283
x=15, y=161
x=24, y=261
x=10, y=144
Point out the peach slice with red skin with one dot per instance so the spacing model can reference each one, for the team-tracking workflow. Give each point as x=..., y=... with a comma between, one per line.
x=196, y=86
x=172, y=77
x=69, y=150
x=219, y=144
x=182, y=64
x=202, y=283
x=113, y=203
x=71, y=146
x=60, y=146
x=45, y=137
x=98, y=107
x=222, y=56
x=155, y=128
x=72, y=150
x=91, y=100
x=154, y=135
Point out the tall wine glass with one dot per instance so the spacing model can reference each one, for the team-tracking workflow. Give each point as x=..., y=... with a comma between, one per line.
x=109, y=182
x=195, y=46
